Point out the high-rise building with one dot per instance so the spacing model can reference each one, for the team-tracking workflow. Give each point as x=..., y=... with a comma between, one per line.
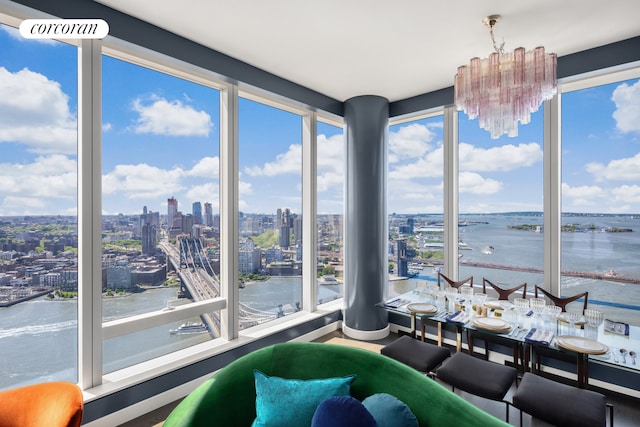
x=197, y=212
x=208, y=214
x=149, y=239
x=278, y=219
x=297, y=230
x=172, y=208
x=284, y=240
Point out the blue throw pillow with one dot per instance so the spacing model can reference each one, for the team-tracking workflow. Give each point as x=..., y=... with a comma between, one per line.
x=342, y=411
x=388, y=411
x=284, y=402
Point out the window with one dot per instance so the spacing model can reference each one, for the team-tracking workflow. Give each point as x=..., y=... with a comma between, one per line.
x=270, y=204
x=501, y=204
x=330, y=218
x=38, y=210
x=161, y=235
x=600, y=205
x=415, y=202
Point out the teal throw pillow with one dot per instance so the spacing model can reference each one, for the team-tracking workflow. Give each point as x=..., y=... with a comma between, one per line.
x=285, y=402
x=389, y=411
x=342, y=411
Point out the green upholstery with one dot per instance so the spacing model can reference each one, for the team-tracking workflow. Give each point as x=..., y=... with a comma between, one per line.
x=228, y=398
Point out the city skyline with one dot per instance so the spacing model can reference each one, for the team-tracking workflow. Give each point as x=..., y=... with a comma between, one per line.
x=161, y=139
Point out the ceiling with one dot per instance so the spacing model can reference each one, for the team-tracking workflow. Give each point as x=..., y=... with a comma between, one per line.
x=395, y=49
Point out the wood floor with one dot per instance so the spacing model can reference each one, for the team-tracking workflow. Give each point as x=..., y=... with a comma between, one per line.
x=626, y=409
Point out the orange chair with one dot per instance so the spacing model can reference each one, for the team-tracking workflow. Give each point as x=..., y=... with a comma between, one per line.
x=453, y=283
x=53, y=404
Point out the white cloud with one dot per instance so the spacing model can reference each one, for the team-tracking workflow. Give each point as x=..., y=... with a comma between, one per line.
x=45, y=182
x=106, y=127
x=14, y=33
x=582, y=196
x=207, y=167
x=286, y=163
x=142, y=181
x=161, y=117
x=330, y=163
x=208, y=191
x=627, y=194
x=470, y=182
x=618, y=169
x=410, y=142
x=428, y=166
x=627, y=113
x=504, y=158
x=35, y=111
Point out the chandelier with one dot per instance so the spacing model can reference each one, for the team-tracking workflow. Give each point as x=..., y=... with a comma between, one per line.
x=506, y=87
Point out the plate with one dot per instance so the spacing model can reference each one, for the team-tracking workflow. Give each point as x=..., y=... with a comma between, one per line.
x=493, y=304
x=422, y=308
x=562, y=318
x=491, y=324
x=581, y=345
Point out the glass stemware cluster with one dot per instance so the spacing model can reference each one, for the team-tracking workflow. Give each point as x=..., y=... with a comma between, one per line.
x=594, y=319
x=537, y=305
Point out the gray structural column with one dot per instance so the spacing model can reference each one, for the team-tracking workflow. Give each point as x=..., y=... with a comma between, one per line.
x=365, y=246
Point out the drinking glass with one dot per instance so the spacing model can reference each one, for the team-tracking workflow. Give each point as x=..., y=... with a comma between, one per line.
x=480, y=298
x=522, y=307
x=572, y=317
x=552, y=312
x=594, y=319
x=441, y=301
x=452, y=295
x=466, y=294
x=537, y=306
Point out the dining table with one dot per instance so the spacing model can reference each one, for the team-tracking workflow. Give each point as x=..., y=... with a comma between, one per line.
x=533, y=336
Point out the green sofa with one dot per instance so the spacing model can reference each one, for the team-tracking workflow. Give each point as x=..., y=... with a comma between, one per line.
x=228, y=398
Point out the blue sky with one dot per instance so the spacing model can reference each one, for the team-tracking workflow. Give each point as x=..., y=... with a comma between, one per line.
x=161, y=140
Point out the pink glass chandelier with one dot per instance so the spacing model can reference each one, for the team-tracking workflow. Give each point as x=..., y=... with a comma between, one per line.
x=506, y=87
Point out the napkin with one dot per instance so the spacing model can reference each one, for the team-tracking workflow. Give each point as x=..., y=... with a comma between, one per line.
x=395, y=303
x=618, y=328
x=458, y=317
x=539, y=336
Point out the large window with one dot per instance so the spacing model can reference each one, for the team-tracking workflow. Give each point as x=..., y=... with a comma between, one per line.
x=415, y=202
x=600, y=197
x=330, y=219
x=38, y=210
x=270, y=203
x=501, y=204
x=160, y=162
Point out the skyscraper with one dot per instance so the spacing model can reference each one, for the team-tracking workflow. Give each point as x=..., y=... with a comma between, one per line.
x=172, y=208
x=208, y=214
x=197, y=212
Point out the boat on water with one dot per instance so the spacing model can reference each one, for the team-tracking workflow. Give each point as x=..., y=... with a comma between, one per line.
x=190, y=328
x=328, y=279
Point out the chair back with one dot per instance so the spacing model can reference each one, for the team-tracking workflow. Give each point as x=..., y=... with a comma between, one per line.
x=503, y=293
x=453, y=283
x=563, y=301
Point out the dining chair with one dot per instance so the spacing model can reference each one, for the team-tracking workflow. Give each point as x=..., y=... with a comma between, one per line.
x=563, y=301
x=51, y=404
x=453, y=283
x=503, y=293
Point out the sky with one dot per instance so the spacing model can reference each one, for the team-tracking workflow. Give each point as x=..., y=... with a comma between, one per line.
x=160, y=139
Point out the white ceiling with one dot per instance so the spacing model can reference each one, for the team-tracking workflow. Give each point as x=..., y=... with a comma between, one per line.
x=396, y=49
